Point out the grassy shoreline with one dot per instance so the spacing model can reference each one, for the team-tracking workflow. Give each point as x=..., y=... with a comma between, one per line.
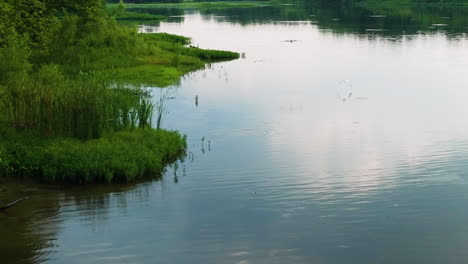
x=62, y=127
x=137, y=16
x=123, y=156
x=73, y=107
x=203, y=5
x=175, y=60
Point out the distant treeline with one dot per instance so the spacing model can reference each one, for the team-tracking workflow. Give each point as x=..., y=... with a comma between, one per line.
x=343, y=2
x=176, y=1
x=145, y=1
x=327, y=2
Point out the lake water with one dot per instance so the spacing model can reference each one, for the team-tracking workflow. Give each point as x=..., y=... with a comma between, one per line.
x=341, y=136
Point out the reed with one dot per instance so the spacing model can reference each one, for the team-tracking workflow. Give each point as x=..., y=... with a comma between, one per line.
x=84, y=107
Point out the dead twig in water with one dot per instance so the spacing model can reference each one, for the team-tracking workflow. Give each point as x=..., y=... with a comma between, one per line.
x=13, y=203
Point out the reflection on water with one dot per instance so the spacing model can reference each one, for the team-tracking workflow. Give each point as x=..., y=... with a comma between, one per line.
x=339, y=137
x=346, y=19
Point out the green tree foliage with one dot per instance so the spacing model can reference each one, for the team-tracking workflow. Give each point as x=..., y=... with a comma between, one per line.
x=26, y=17
x=6, y=23
x=84, y=8
x=146, y=1
x=14, y=59
x=36, y=18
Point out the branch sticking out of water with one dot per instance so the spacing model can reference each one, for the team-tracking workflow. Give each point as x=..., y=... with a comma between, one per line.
x=12, y=203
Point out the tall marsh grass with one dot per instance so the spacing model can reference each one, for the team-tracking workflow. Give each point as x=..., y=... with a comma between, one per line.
x=84, y=107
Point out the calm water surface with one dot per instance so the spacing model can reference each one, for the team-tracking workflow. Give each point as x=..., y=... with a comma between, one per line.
x=323, y=144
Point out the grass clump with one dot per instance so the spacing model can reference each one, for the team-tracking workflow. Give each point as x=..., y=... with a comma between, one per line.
x=171, y=38
x=122, y=156
x=127, y=15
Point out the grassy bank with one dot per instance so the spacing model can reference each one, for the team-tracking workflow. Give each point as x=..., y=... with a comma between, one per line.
x=122, y=156
x=72, y=106
x=203, y=5
x=170, y=60
x=140, y=59
x=139, y=16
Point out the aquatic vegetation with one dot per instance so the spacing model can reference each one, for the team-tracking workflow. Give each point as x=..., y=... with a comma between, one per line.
x=161, y=108
x=85, y=107
x=138, y=16
x=151, y=74
x=202, y=4
x=71, y=104
x=80, y=128
x=122, y=156
x=168, y=38
x=168, y=61
x=152, y=59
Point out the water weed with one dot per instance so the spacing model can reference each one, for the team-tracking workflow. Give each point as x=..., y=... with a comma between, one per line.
x=121, y=156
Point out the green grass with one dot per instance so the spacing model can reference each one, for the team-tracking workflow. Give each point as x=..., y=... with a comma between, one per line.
x=123, y=156
x=152, y=59
x=171, y=60
x=139, y=16
x=203, y=5
x=167, y=38
x=157, y=75
x=84, y=107
x=73, y=110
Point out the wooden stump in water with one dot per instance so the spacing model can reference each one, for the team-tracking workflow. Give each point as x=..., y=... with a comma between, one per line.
x=12, y=203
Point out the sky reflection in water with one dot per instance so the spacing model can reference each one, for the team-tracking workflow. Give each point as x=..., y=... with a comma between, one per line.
x=294, y=165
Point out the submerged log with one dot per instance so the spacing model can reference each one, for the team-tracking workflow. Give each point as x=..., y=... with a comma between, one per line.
x=12, y=203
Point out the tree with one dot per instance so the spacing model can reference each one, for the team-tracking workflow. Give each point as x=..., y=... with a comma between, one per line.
x=83, y=8
x=26, y=17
